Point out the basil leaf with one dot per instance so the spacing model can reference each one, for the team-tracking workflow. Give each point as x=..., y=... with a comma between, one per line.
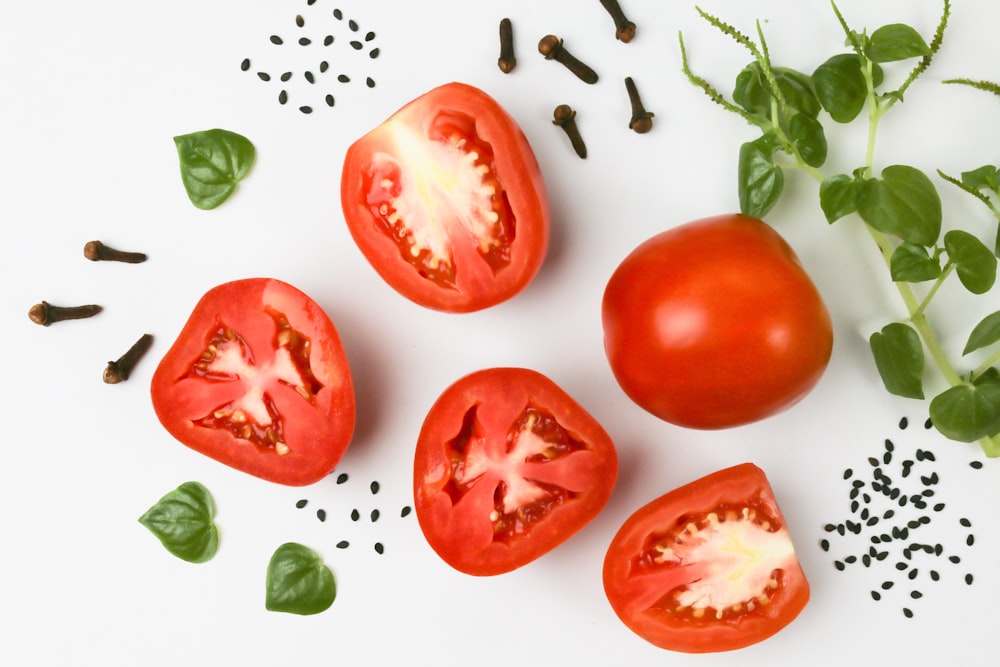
x=298, y=581
x=183, y=520
x=753, y=93
x=895, y=42
x=212, y=163
x=807, y=135
x=903, y=202
x=983, y=178
x=967, y=412
x=840, y=86
x=974, y=262
x=838, y=196
x=913, y=264
x=899, y=357
x=760, y=180
x=985, y=333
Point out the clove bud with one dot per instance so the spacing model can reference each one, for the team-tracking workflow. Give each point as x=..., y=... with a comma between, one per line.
x=96, y=251
x=507, y=61
x=119, y=370
x=642, y=120
x=624, y=29
x=45, y=313
x=565, y=117
x=552, y=48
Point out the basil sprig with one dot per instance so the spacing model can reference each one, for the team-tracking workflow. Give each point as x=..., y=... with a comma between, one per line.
x=298, y=581
x=900, y=207
x=184, y=522
x=212, y=163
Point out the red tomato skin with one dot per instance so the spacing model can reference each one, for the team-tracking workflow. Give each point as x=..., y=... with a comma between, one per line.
x=715, y=324
x=461, y=537
x=318, y=432
x=524, y=191
x=731, y=487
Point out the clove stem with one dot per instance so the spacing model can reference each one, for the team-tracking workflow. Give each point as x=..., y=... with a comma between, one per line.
x=96, y=251
x=45, y=313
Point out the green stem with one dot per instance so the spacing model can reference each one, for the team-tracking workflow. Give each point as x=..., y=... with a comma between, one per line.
x=934, y=288
x=986, y=365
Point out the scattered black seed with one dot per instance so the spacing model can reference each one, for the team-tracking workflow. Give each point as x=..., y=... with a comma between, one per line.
x=848, y=473
x=374, y=487
x=321, y=515
x=305, y=41
x=853, y=526
x=876, y=596
x=264, y=76
x=839, y=565
x=829, y=527
x=855, y=493
x=306, y=109
x=245, y=65
x=882, y=555
x=924, y=519
x=916, y=595
x=955, y=559
x=356, y=45
x=866, y=560
x=876, y=539
x=907, y=613
x=902, y=566
x=886, y=585
x=873, y=461
x=889, y=446
x=976, y=465
x=353, y=25
x=343, y=78
x=935, y=576
x=907, y=553
x=373, y=53
x=864, y=513
x=329, y=100
x=938, y=507
x=851, y=560
x=903, y=423
x=282, y=97
x=310, y=2
x=928, y=424
x=970, y=540
x=355, y=515
x=323, y=66
x=328, y=40
x=310, y=77
x=872, y=521
x=343, y=544
x=854, y=506
x=913, y=574
x=887, y=458
x=938, y=549
x=857, y=484
x=841, y=530
x=369, y=36
x=824, y=545
x=286, y=76
x=337, y=14
x=370, y=82
x=299, y=21
x=405, y=511
x=968, y=579
x=341, y=478
x=888, y=514
x=375, y=515
x=379, y=549
x=301, y=503
x=894, y=494
x=276, y=40
x=965, y=522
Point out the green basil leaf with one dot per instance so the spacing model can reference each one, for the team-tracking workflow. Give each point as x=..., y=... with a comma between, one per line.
x=967, y=412
x=912, y=263
x=984, y=178
x=807, y=135
x=899, y=357
x=985, y=333
x=212, y=163
x=838, y=196
x=989, y=376
x=896, y=42
x=298, y=581
x=183, y=521
x=753, y=93
x=760, y=180
x=974, y=262
x=903, y=202
x=840, y=86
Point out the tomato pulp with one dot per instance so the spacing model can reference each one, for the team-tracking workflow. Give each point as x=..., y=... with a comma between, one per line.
x=715, y=323
x=707, y=567
x=446, y=201
x=507, y=467
x=258, y=379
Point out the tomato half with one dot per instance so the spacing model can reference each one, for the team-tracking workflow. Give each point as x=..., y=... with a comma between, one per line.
x=507, y=467
x=258, y=380
x=446, y=201
x=715, y=324
x=707, y=567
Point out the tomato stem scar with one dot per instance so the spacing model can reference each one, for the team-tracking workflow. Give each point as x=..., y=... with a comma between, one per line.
x=564, y=116
x=507, y=61
x=96, y=251
x=118, y=371
x=624, y=29
x=45, y=313
x=552, y=48
x=642, y=120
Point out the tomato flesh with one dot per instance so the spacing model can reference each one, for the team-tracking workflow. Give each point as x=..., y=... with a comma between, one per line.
x=446, y=201
x=507, y=467
x=707, y=567
x=258, y=380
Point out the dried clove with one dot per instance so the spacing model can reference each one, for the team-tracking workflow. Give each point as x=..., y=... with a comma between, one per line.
x=118, y=371
x=96, y=251
x=45, y=313
x=565, y=117
x=552, y=48
x=624, y=29
x=507, y=61
x=642, y=120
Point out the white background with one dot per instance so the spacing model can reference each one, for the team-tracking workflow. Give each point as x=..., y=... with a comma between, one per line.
x=91, y=96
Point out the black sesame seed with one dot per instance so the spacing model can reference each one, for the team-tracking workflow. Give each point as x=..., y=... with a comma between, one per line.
x=853, y=526
x=907, y=553
x=866, y=560
x=904, y=422
x=343, y=78
x=924, y=519
x=854, y=506
x=894, y=494
x=321, y=514
x=374, y=487
x=328, y=40
x=913, y=574
x=864, y=514
x=857, y=484
x=970, y=540
x=848, y=473
x=343, y=544
x=299, y=21
x=876, y=596
x=841, y=529
x=968, y=579
x=323, y=66
x=882, y=555
x=854, y=493
x=369, y=36
x=875, y=539
x=286, y=76
x=938, y=507
x=829, y=527
x=976, y=465
x=373, y=53
x=264, y=76
x=823, y=544
x=304, y=41
x=276, y=40
x=938, y=549
x=887, y=458
x=306, y=109
x=851, y=560
x=370, y=82
x=375, y=515
x=839, y=565
x=310, y=77
x=886, y=585
x=872, y=521
x=405, y=511
x=928, y=424
x=341, y=478
x=245, y=65
x=907, y=613
x=329, y=100
x=916, y=595
x=888, y=514
x=873, y=461
x=379, y=549
x=965, y=522
x=301, y=503
x=355, y=515
x=337, y=14
x=356, y=45
x=935, y=576
x=901, y=566
x=955, y=559
x=282, y=97
x=353, y=25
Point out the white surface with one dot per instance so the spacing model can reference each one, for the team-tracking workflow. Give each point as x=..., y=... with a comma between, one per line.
x=92, y=94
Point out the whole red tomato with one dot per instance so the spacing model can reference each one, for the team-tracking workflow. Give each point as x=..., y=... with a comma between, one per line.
x=258, y=380
x=446, y=201
x=715, y=324
x=707, y=567
x=507, y=467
